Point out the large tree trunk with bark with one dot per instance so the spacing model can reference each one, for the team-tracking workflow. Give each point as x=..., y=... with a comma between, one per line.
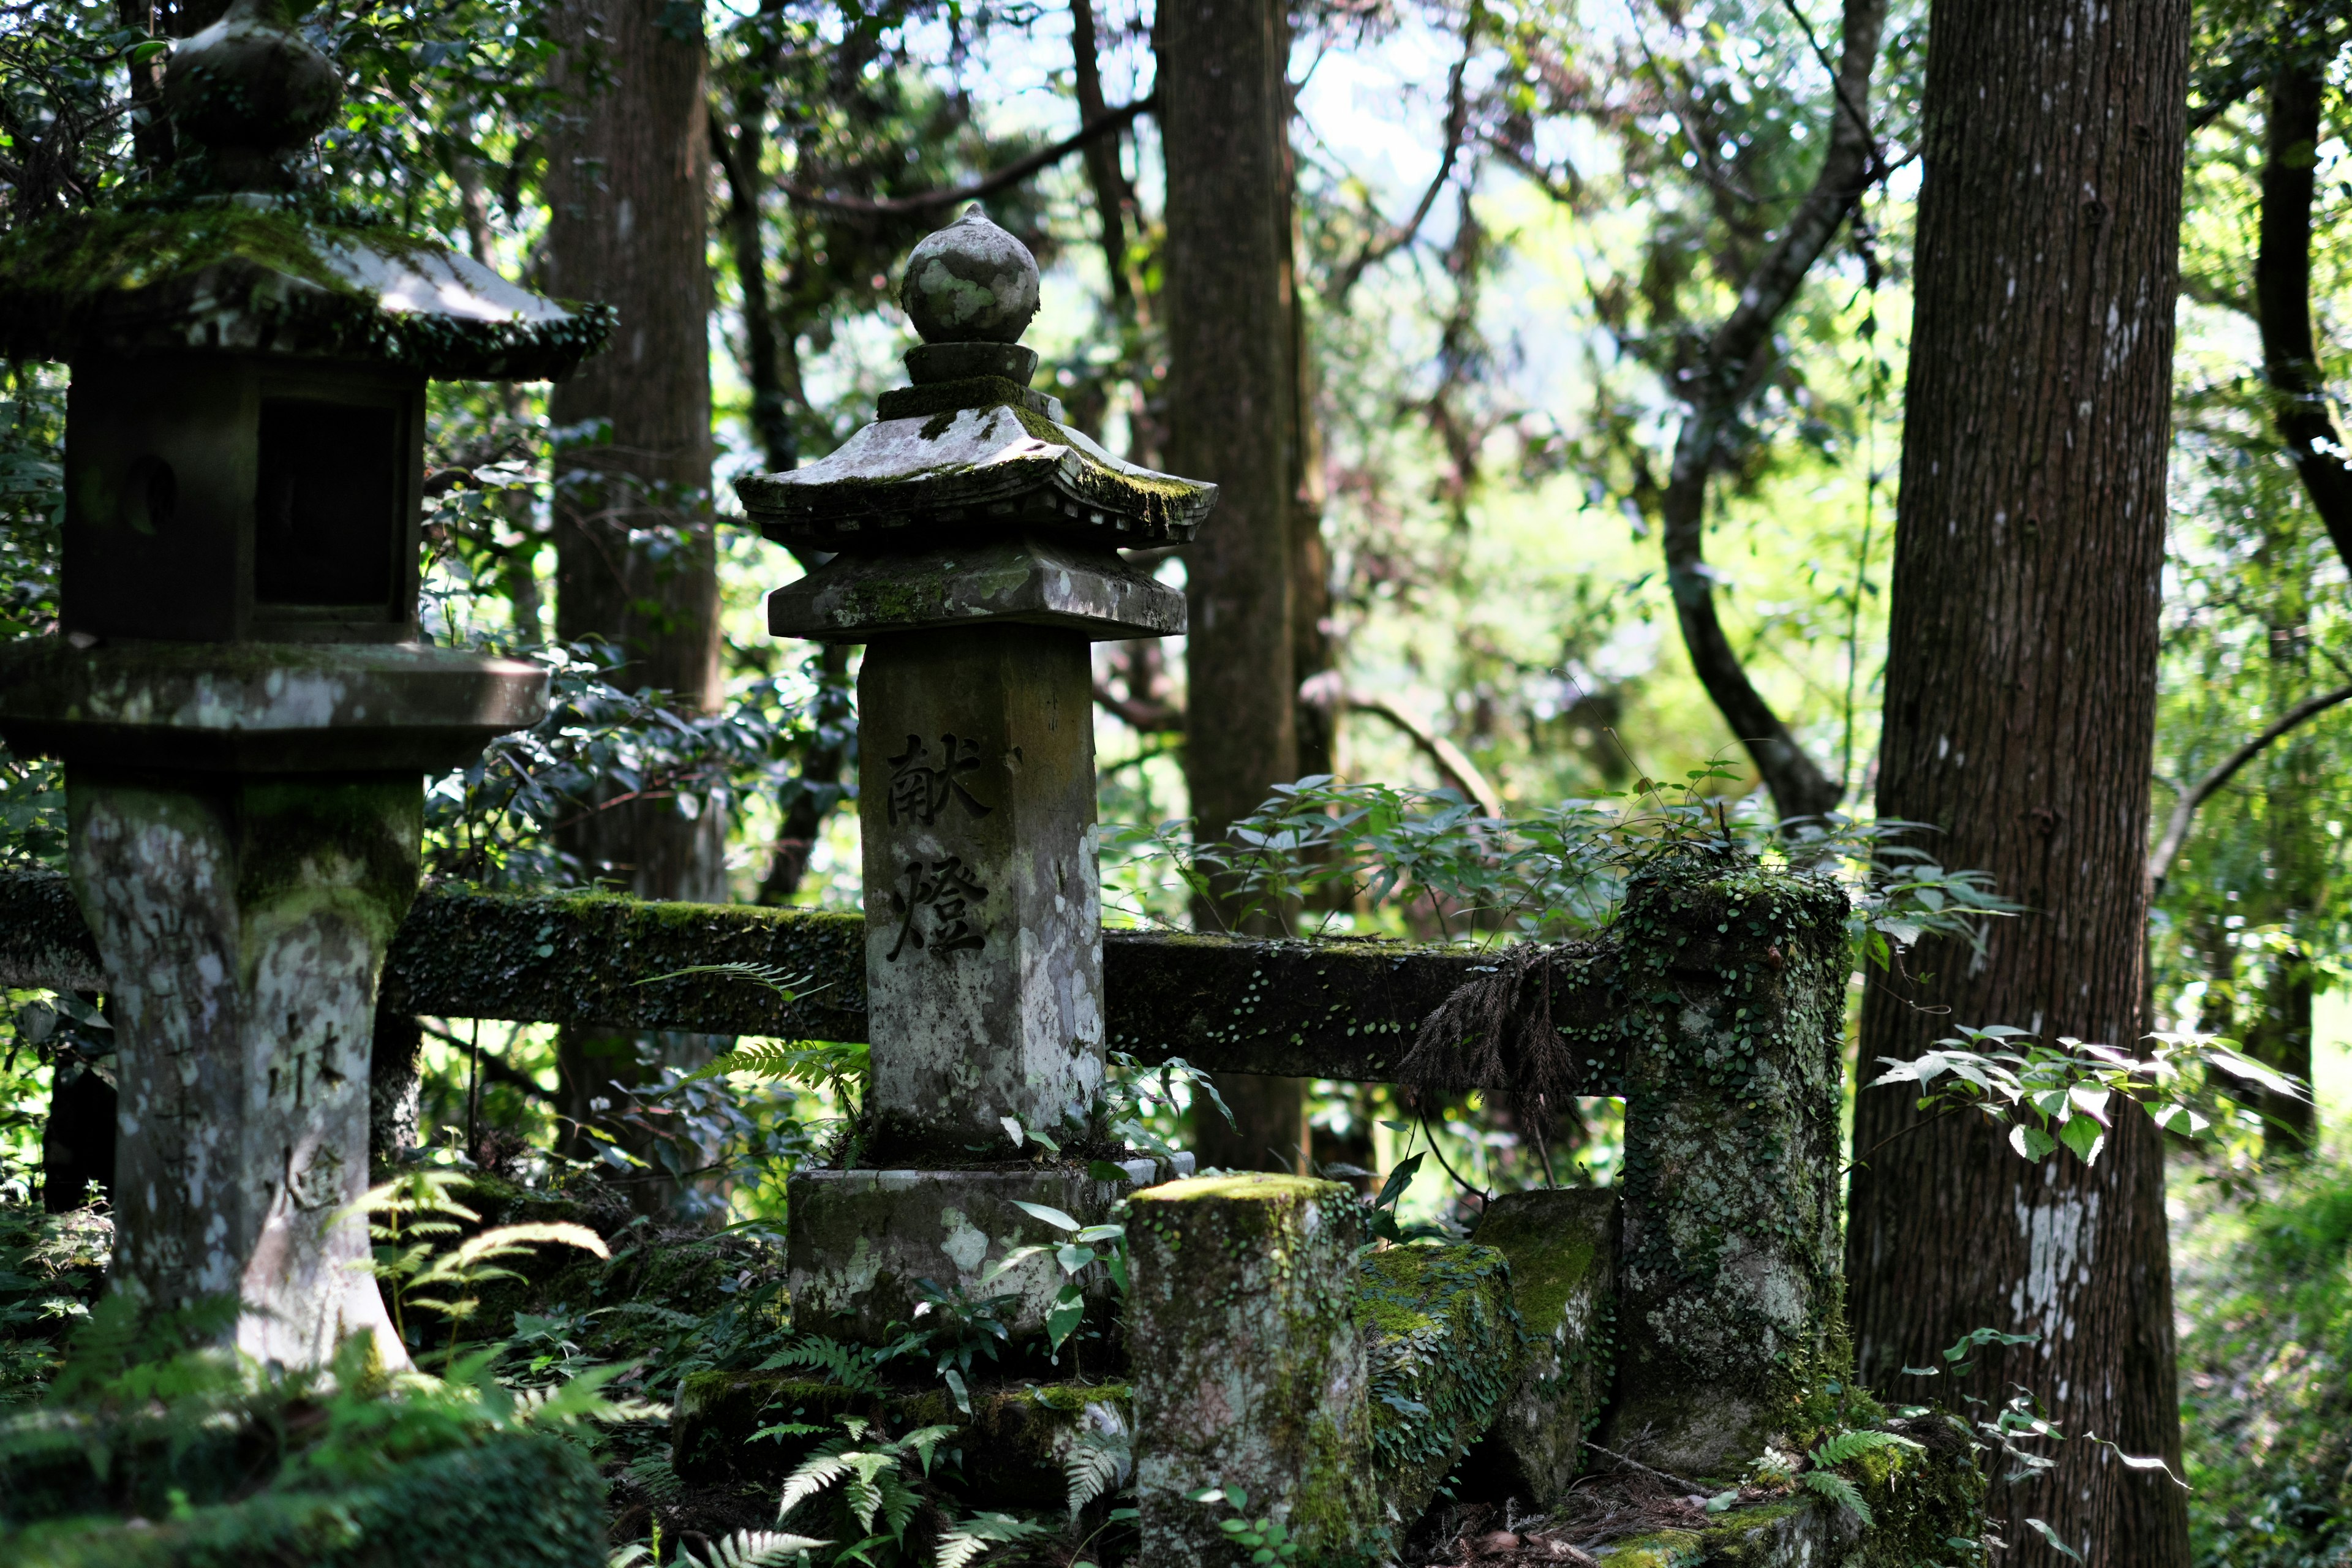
x=627, y=199
x=2021, y=694
x=1232, y=399
x=636, y=561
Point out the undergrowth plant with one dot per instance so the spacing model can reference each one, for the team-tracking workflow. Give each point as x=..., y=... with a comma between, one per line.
x=1441, y=868
x=2065, y=1095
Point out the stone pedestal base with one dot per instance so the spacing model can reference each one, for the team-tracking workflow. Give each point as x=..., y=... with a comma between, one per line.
x=1248, y=1368
x=243, y=922
x=864, y=1241
x=1562, y=1247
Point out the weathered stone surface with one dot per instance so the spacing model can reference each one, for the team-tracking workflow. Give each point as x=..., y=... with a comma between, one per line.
x=268, y=281
x=296, y=708
x=967, y=472
x=1014, y=1443
x=1442, y=1343
x=983, y=922
x=243, y=927
x=863, y=1241
x=970, y=282
x=1249, y=1369
x=1562, y=1247
x=1730, y=1261
x=1038, y=582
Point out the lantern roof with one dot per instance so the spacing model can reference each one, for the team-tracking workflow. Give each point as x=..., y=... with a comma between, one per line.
x=971, y=451
x=235, y=256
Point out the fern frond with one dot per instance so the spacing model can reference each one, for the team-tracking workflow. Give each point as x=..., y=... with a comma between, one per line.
x=652, y=1472
x=752, y=1549
x=971, y=1537
x=849, y=1365
x=1852, y=1444
x=786, y=986
x=1097, y=1464
x=790, y=1060
x=815, y=1473
x=1839, y=1490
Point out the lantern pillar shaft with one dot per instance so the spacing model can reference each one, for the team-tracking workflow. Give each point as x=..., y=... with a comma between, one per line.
x=244, y=922
x=983, y=914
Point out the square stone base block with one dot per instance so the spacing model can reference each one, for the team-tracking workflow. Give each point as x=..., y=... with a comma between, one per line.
x=864, y=1241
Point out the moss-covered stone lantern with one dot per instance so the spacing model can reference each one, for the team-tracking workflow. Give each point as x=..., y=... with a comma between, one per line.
x=238, y=688
x=976, y=546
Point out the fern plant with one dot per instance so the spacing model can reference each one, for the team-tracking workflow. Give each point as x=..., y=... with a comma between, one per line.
x=414, y=1215
x=744, y=1549
x=1097, y=1464
x=968, y=1538
x=872, y=1471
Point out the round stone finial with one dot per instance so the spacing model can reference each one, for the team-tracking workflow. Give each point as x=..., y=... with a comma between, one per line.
x=970, y=282
x=252, y=90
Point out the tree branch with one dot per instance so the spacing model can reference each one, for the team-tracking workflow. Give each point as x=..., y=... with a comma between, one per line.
x=1013, y=173
x=2176, y=831
x=1714, y=390
x=1451, y=760
x=1457, y=120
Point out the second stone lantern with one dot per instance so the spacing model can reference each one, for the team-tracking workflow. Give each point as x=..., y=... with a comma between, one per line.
x=238, y=686
x=974, y=542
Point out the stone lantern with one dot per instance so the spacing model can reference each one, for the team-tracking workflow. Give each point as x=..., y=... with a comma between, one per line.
x=974, y=542
x=238, y=689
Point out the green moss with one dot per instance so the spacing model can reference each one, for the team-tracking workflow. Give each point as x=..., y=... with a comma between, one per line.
x=1660, y=1549
x=1443, y=1344
x=223, y=259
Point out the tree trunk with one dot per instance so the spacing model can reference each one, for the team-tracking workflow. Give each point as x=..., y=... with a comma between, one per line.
x=635, y=559
x=1223, y=99
x=1738, y=357
x=1110, y=192
x=2282, y=293
x=2020, y=692
x=626, y=200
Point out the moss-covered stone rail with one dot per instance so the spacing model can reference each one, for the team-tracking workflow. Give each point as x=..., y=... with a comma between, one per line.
x=1344, y=1009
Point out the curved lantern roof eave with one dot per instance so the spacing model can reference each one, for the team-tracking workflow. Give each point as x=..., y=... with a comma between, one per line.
x=259, y=276
x=973, y=470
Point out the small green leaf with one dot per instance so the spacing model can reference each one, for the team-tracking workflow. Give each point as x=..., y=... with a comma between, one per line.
x=1051, y=1215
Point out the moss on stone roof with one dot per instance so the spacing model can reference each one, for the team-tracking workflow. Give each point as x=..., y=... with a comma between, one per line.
x=275, y=277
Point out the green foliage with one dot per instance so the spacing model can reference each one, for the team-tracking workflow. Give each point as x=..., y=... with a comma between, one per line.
x=2062, y=1095
x=1321, y=844
x=1853, y=1445
x=51, y=1270
x=2265, y=1293
x=411, y=1219
x=1261, y=1541
x=875, y=1475
x=1099, y=1463
x=1839, y=1490
x=1088, y=1249
x=744, y=1549
x=971, y=1537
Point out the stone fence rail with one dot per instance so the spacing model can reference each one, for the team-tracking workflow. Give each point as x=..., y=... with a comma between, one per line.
x=1345, y=1010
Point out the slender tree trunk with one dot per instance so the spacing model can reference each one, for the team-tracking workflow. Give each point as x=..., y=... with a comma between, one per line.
x=771, y=366
x=1232, y=392
x=1729, y=372
x=635, y=559
x=2021, y=701
x=1103, y=174
x=2282, y=293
